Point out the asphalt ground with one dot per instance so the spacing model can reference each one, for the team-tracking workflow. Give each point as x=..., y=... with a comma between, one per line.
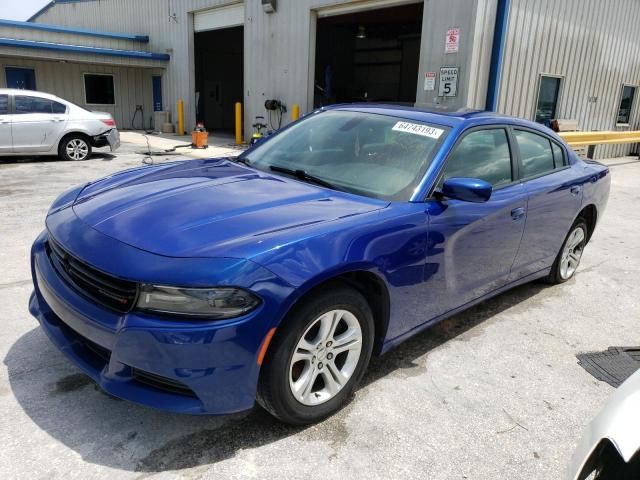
x=492, y=393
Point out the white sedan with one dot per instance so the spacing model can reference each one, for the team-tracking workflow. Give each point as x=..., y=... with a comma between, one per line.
x=610, y=448
x=37, y=123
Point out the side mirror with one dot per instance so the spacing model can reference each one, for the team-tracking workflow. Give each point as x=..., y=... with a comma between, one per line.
x=467, y=189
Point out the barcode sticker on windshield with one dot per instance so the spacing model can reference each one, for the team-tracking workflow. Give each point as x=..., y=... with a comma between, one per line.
x=418, y=129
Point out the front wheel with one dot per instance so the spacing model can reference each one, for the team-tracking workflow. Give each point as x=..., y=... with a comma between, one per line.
x=74, y=147
x=570, y=255
x=318, y=357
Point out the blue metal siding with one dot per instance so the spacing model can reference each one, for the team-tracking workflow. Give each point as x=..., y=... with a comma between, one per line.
x=497, y=55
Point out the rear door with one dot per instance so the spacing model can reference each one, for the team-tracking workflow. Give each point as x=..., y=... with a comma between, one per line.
x=473, y=245
x=554, y=199
x=37, y=123
x=5, y=124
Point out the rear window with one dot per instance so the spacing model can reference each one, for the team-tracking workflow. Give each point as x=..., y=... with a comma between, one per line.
x=4, y=104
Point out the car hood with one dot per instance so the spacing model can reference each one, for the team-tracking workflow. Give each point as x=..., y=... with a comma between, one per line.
x=210, y=208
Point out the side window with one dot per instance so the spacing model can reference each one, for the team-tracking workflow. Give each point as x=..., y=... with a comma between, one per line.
x=25, y=104
x=558, y=155
x=483, y=154
x=535, y=153
x=57, y=107
x=4, y=104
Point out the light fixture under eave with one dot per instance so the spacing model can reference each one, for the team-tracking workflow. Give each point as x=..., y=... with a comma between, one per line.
x=269, y=6
x=361, y=32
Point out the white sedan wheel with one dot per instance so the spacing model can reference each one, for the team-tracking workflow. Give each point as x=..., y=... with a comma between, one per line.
x=77, y=149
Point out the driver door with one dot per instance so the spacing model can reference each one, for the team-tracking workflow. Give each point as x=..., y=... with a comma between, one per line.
x=472, y=246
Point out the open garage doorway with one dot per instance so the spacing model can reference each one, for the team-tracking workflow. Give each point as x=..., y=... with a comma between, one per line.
x=368, y=56
x=219, y=59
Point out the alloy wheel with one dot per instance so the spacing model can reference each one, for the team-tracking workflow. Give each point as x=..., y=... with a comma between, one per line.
x=77, y=149
x=325, y=357
x=572, y=253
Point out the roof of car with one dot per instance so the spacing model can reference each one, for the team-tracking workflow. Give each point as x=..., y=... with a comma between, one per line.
x=16, y=91
x=450, y=119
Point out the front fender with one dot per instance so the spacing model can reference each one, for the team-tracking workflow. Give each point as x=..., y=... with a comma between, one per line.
x=392, y=244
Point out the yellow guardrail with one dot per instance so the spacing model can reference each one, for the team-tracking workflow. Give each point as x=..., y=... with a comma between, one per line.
x=581, y=139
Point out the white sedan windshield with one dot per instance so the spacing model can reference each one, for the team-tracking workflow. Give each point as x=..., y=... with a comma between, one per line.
x=369, y=154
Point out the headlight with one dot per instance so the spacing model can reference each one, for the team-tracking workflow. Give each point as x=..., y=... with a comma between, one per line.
x=214, y=303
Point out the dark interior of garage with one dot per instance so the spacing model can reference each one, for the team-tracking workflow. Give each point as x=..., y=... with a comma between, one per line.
x=219, y=76
x=369, y=56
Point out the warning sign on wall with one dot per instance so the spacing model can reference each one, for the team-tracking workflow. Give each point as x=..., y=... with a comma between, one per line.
x=452, y=43
x=448, y=86
x=429, y=81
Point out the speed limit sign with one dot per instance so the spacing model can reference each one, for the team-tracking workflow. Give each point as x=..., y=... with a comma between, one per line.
x=448, y=86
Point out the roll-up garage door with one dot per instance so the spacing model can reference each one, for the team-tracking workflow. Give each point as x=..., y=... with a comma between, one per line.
x=361, y=7
x=217, y=18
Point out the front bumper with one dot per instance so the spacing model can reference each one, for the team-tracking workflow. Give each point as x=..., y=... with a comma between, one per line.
x=179, y=366
x=110, y=139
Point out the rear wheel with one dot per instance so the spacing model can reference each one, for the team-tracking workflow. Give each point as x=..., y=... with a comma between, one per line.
x=570, y=255
x=318, y=357
x=74, y=147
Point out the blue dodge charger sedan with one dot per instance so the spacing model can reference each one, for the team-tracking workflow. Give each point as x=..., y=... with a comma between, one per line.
x=202, y=286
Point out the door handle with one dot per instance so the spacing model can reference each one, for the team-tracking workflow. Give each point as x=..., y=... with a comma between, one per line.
x=57, y=119
x=3, y=121
x=575, y=189
x=517, y=213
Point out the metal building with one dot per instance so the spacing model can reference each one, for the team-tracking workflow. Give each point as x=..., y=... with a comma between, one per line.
x=537, y=59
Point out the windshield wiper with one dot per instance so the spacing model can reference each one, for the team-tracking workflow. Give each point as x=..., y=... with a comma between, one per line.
x=240, y=159
x=302, y=175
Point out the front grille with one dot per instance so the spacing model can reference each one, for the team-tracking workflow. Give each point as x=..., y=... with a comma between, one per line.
x=161, y=383
x=114, y=293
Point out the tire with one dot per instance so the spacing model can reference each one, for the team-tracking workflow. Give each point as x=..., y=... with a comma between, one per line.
x=613, y=467
x=74, y=147
x=569, y=256
x=320, y=379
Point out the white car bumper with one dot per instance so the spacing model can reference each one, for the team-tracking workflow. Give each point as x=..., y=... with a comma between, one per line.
x=114, y=139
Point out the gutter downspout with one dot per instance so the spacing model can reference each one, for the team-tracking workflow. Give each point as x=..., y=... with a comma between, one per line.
x=497, y=55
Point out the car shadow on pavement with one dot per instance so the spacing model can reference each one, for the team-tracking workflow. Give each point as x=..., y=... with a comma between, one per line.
x=107, y=431
x=25, y=159
x=104, y=156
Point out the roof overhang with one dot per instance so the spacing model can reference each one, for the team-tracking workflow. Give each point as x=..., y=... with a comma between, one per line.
x=51, y=4
x=79, y=49
x=73, y=31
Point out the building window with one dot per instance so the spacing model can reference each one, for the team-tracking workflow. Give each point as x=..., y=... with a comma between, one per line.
x=99, y=89
x=626, y=104
x=547, y=104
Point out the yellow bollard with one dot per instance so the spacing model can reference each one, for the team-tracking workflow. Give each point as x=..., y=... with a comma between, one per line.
x=180, y=117
x=238, y=123
x=295, y=112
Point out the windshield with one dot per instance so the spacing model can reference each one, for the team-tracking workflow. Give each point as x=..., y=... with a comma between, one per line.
x=368, y=154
